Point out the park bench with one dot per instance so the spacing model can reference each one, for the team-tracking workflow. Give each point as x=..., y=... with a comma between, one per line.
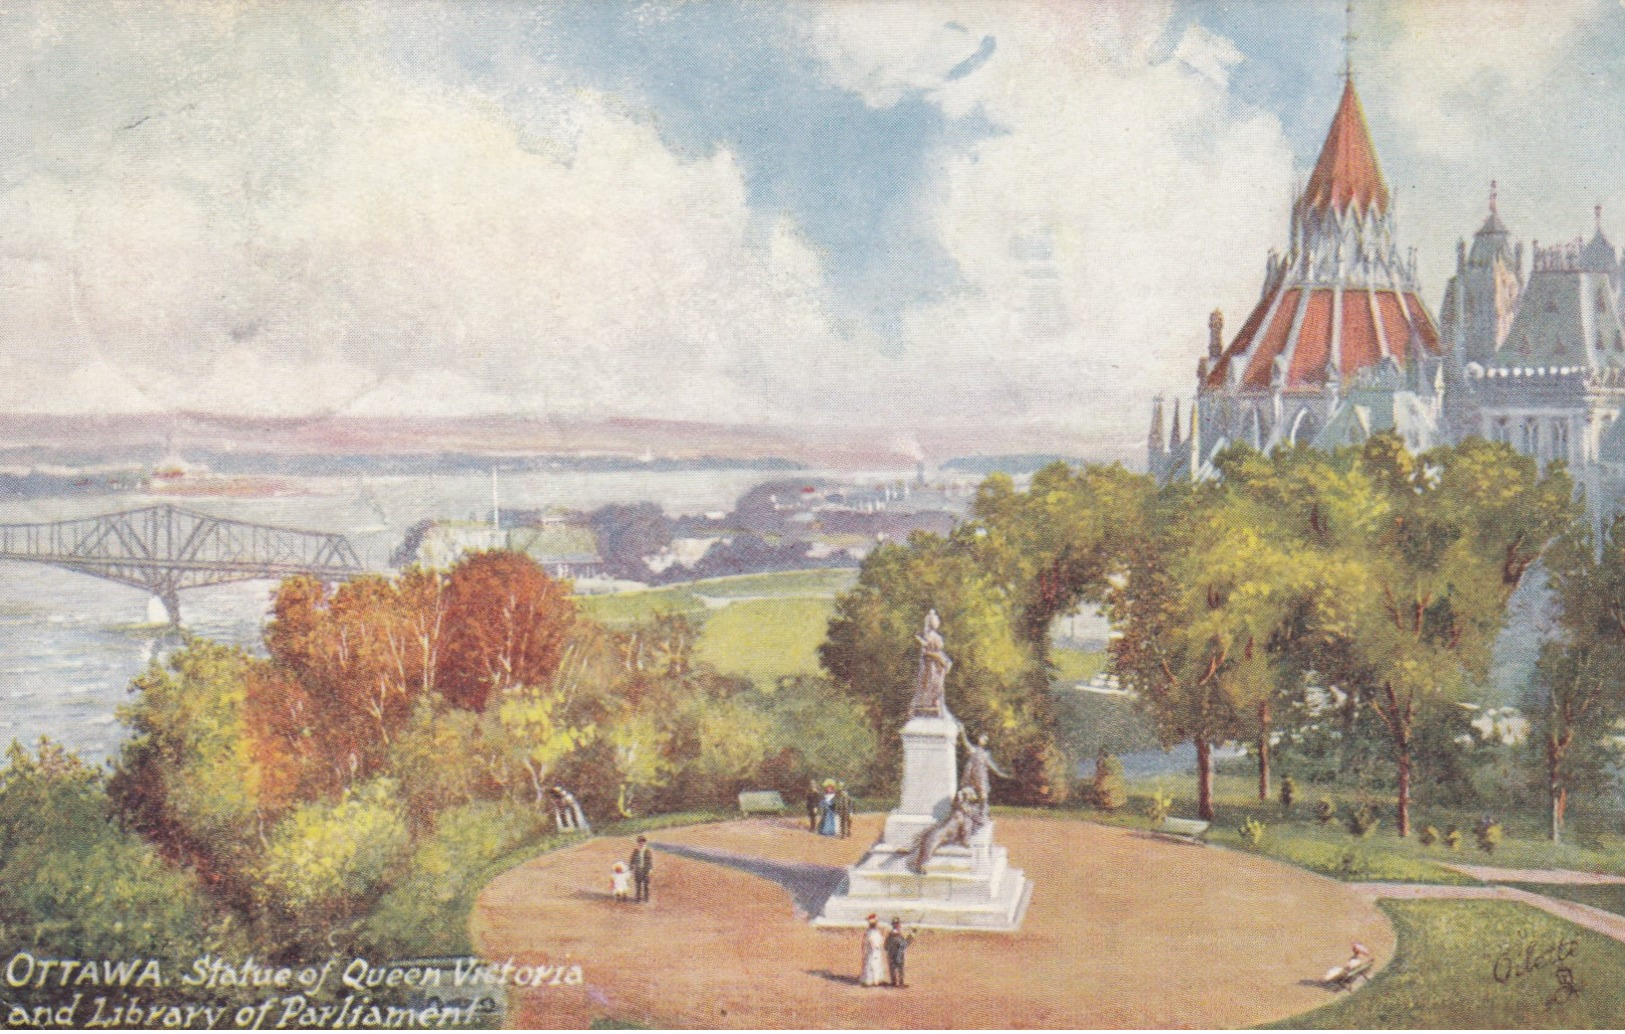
x=761, y=802
x=1190, y=830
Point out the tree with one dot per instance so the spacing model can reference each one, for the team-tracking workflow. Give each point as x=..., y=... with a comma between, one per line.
x=1580, y=678
x=1206, y=589
x=346, y=669
x=1293, y=499
x=1426, y=577
x=506, y=625
x=996, y=686
x=538, y=733
x=187, y=777
x=78, y=885
x=1060, y=538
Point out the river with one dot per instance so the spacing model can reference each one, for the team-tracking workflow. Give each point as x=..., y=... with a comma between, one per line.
x=70, y=644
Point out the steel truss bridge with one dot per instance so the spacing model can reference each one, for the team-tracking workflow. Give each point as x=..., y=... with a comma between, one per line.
x=164, y=549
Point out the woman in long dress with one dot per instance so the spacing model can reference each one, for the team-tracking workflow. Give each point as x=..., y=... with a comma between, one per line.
x=874, y=955
x=828, y=823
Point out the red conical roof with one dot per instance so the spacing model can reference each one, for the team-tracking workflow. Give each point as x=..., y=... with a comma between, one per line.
x=1347, y=172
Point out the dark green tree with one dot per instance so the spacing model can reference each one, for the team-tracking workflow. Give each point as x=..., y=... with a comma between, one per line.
x=1579, y=690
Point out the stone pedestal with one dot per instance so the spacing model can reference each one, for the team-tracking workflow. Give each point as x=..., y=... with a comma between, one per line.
x=968, y=888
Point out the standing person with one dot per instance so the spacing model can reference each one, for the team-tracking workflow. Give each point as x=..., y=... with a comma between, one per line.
x=843, y=810
x=874, y=955
x=643, y=863
x=897, y=944
x=813, y=797
x=828, y=824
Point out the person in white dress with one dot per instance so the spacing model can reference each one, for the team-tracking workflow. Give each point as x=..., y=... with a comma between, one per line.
x=874, y=955
x=620, y=882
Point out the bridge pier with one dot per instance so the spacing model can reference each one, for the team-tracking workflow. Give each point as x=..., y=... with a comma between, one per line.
x=170, y=597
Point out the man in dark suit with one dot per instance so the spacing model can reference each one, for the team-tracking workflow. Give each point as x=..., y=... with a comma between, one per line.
x=843, y=810
x=814, y=795
x=896, y=950
x=642, y=864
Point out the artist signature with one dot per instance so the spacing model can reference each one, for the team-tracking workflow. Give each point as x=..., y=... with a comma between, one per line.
x=1514, y=963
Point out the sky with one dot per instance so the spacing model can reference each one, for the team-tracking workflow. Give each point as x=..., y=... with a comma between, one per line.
x=892, y=214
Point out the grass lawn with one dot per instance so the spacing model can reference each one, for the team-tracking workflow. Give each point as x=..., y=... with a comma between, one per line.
x=818, y=582
x=1330, y=849
x=766, y=639
x=629, y=608
x=1527, y=847
x=769, y=628
x=1076, y=665
x=1300, y=839
x=1484, y=964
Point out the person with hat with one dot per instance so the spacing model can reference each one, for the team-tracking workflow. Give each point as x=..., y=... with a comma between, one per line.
x=897, y=943
x=642, y=864
x=874, y=954
x=843, y=810
x=813, y=797
x=828, y=822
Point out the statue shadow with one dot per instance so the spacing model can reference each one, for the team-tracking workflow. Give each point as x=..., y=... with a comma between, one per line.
x=809, y=884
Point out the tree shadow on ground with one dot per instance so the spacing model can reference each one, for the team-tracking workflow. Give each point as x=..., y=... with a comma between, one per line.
x=809, y=884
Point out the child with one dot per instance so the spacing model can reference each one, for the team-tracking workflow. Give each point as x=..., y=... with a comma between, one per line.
x=619, y=881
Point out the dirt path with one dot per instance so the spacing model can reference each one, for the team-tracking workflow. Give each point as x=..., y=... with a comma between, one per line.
x=1609, y=924
x=1125, y=930
x=1492, y=874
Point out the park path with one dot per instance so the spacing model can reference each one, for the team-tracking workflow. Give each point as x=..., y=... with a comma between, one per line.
x=1494, y=874
x=1124, y=930
x=1609, y=924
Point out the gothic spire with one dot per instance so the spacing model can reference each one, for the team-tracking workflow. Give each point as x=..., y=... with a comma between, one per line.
x=1347, y=174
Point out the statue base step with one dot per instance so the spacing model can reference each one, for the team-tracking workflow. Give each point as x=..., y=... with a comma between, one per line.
x=962, y=888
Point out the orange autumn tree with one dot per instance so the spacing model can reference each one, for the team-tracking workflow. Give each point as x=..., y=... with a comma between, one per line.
x=348, y=665
x=506, y=626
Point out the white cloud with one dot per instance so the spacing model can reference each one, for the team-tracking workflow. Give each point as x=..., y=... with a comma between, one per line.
x=1210, y=55
x=1127, y=199
x=248, y=208
x=1462, y=92
x=287, y=225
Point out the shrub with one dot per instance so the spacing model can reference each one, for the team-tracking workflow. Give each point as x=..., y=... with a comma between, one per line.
x=1159, y=805
x=1362, y=821
x=1325, y=810
x=74, y=883
x=1108, y=792
x=1353, y=865
x=1452, y=839
x=1429, y=836
x=1252, y=831
x=426, y=910
x=1489, y=836
x=1289, y=794
x=328, y=860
